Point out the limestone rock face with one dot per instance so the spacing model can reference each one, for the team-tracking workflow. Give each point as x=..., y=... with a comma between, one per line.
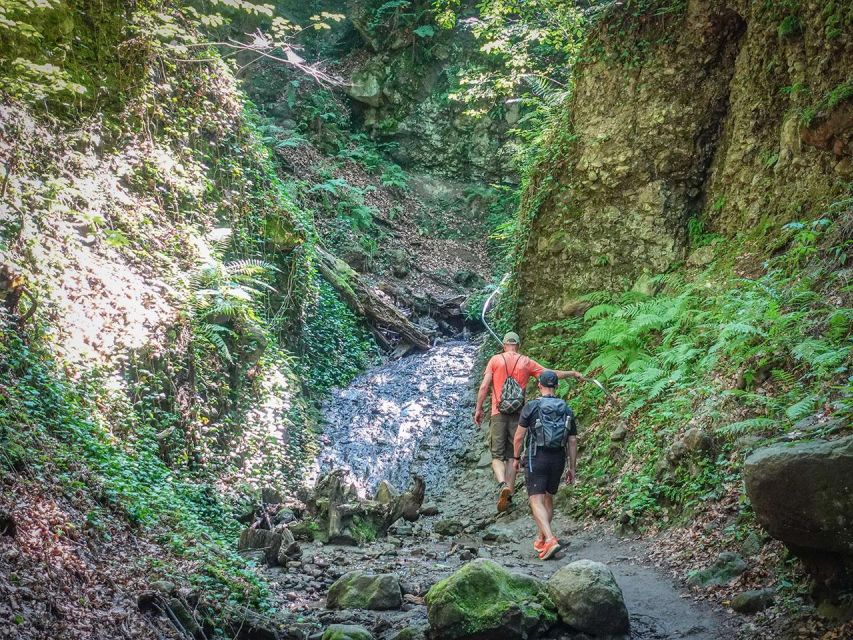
x=588, y=599
x=692, y=126
x=484, y=600
x=802, y=494
x=361, y=590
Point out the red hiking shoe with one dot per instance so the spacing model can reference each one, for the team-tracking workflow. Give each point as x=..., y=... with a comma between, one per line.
x=539, y=545
x=549, y=548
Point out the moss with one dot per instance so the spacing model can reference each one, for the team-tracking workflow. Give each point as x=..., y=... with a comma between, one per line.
x=363, y=530
x=476, y=598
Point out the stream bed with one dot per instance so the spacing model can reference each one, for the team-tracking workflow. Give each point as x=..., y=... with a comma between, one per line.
x=408, y=416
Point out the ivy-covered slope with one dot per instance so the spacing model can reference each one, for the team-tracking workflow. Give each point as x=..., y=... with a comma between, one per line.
x=159, y=382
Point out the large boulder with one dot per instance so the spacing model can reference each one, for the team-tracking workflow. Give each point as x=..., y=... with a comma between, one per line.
x=588, y=599
x=362, y=590
x=484, y=600
x=802, y=493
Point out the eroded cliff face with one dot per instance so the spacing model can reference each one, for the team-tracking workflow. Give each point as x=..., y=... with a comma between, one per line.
x=734, y=112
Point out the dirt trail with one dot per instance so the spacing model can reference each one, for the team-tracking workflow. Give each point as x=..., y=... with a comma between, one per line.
x=463, y=492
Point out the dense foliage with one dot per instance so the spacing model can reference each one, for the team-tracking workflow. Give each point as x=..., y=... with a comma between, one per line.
x=746, y=359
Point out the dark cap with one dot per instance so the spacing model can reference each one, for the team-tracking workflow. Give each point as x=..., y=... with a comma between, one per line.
x=548, y=378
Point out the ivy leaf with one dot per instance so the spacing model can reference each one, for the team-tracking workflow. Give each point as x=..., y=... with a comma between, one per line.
x=424, y=31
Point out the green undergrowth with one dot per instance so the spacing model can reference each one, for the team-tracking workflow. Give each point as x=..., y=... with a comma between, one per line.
x=335, y=344
x=53, y=432
x=746, y=359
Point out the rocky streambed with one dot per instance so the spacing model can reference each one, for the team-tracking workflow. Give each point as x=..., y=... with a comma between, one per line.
x=409, y=417
x=448, y=566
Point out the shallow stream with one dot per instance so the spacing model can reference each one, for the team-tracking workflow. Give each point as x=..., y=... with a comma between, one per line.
x=408, y=416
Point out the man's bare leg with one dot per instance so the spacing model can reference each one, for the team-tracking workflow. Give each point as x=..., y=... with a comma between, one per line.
x=499, y=467
x=549, y=505
x=510, y=475
x=540, y=516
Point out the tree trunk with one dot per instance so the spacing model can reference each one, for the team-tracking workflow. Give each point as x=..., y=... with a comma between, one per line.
x=362, y=299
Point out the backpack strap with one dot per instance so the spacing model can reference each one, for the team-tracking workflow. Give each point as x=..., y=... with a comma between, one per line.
x=514, y=367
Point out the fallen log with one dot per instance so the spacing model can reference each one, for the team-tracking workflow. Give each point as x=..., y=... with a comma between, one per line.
x=364, y=301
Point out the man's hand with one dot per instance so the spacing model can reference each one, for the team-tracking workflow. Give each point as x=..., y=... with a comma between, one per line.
x=478, y=416
x=577, y=375
x=516, y=464
x=570, y=476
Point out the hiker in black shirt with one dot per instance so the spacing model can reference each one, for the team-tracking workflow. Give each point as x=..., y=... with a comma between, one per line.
x=550, y=430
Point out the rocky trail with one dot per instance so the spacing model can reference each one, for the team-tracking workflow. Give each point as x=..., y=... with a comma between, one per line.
x=412, y=416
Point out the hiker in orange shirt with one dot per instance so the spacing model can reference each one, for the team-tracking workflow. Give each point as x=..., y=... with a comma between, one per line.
x=507, y=374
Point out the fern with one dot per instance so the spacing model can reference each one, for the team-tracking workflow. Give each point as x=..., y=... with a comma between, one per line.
x=211, y=333
x=600, y=310
x=744, y=426
x=805, y=407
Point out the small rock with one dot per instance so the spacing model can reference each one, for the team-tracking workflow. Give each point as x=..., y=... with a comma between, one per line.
x=753, y=601
x=751, y=544
x=497, y=533
x=164, y=586
x=619, y=433
x=448, y=527
x=727, y=566
x=361, y=590
x=429, y=510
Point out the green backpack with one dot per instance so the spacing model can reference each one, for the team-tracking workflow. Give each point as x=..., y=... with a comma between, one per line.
x=512, y=395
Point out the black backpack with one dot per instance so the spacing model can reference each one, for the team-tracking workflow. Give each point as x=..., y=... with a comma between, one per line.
x=512, y=395
x=551, y=430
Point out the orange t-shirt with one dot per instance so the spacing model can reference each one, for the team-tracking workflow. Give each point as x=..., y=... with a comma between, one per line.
x=520, y=367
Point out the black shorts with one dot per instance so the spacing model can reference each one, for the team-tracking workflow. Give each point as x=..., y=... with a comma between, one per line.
x=548, y=467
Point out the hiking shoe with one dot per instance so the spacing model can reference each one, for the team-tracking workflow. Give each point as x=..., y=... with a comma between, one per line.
x=539, y=545
x=549, y=548
x=504, y=498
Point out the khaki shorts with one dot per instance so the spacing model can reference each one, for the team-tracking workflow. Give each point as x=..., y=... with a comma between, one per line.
x=501, y=432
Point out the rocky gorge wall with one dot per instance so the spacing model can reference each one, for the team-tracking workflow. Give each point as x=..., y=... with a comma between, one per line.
x=733, y=112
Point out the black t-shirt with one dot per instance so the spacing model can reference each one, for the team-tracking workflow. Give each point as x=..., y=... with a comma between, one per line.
x=530, y=413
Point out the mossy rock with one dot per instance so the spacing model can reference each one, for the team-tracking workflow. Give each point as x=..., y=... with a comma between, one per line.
x=484, y=600
x=361, y=590
x=346, y=632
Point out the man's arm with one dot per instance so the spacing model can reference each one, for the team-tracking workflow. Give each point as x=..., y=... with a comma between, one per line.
x=572, y=446
x=481, y=395
x=517, y=443
x=536, y=370
x=562, y=375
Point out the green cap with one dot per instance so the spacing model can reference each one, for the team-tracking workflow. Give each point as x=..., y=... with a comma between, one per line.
x=511, y=337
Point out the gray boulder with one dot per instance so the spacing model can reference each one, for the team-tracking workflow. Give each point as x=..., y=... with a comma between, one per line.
x=726, y=567
x=346, y=632
x=362, y=590
x=802, y=493
x=484, y=600
x=588, y=599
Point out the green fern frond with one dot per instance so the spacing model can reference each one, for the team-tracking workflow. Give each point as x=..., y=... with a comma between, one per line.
x=211, y=333
x=744, y=426
x=600, y=310
x=805, y=407
x=604, y=331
